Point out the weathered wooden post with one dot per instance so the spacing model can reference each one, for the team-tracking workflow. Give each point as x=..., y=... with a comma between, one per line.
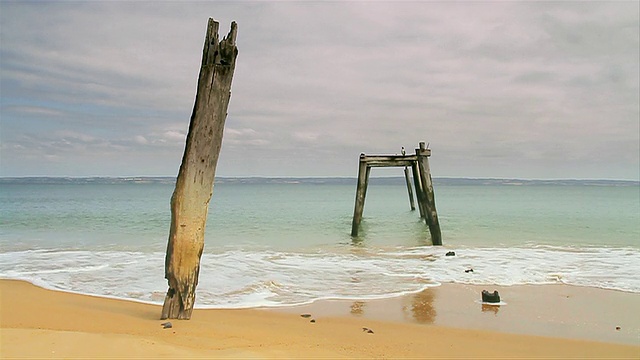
x=431, y=215
x=361, y=192
x=194, y=185
x=409, y=188
x=418, y=186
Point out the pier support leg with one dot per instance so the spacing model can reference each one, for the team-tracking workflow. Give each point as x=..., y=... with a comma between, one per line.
x=418, y=185
x=361, y=192
x=409, y=188
x=427, y=185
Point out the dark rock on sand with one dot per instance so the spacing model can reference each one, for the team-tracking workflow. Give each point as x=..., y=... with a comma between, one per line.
x=306, y=315
x=468, y=270
x=313, y=320
x=166, y=325
x=450, y=253
x=488, y=297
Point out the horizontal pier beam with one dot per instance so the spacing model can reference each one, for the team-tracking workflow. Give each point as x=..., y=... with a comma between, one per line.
x=393, y=163
x=363, y=157
x=390, y=160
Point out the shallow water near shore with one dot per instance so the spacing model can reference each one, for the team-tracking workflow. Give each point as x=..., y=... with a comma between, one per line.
x=280, y=242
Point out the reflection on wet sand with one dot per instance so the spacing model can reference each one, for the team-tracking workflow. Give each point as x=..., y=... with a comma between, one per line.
x=422, y=306
x=357, y=308
x=490, y=308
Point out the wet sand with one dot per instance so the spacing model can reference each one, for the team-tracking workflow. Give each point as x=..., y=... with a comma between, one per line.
x=437, y=323
x=546, y=310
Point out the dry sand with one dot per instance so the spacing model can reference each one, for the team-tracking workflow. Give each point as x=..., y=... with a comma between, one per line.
x=38, y=323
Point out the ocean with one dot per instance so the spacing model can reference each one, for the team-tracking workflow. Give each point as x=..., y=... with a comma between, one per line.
x=286, y=241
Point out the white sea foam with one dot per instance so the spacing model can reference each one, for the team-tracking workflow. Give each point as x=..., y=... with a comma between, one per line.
x=239, y=278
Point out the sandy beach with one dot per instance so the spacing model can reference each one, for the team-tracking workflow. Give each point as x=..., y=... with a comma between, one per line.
x=39, y=323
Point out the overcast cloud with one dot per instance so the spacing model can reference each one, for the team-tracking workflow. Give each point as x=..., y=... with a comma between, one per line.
x=498, y=89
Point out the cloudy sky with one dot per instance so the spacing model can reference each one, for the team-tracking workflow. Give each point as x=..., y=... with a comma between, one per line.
x=499, y=89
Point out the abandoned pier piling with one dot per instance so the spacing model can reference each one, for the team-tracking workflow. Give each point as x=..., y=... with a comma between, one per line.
x=194, y=185
x=419, y=163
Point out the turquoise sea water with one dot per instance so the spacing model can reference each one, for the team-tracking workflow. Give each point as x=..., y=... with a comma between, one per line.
x=273, y=242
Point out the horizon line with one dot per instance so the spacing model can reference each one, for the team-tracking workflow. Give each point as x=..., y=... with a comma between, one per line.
x=308, y=177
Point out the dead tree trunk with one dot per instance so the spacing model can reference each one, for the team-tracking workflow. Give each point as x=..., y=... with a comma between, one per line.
x=194, y=186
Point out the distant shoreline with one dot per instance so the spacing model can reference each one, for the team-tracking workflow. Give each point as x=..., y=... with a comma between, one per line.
x=396, y=180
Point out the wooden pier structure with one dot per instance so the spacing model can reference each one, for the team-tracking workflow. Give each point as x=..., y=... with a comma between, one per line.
x=419, y=163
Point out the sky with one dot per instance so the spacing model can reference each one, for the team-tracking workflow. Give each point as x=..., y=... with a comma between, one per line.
x=529, y=90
